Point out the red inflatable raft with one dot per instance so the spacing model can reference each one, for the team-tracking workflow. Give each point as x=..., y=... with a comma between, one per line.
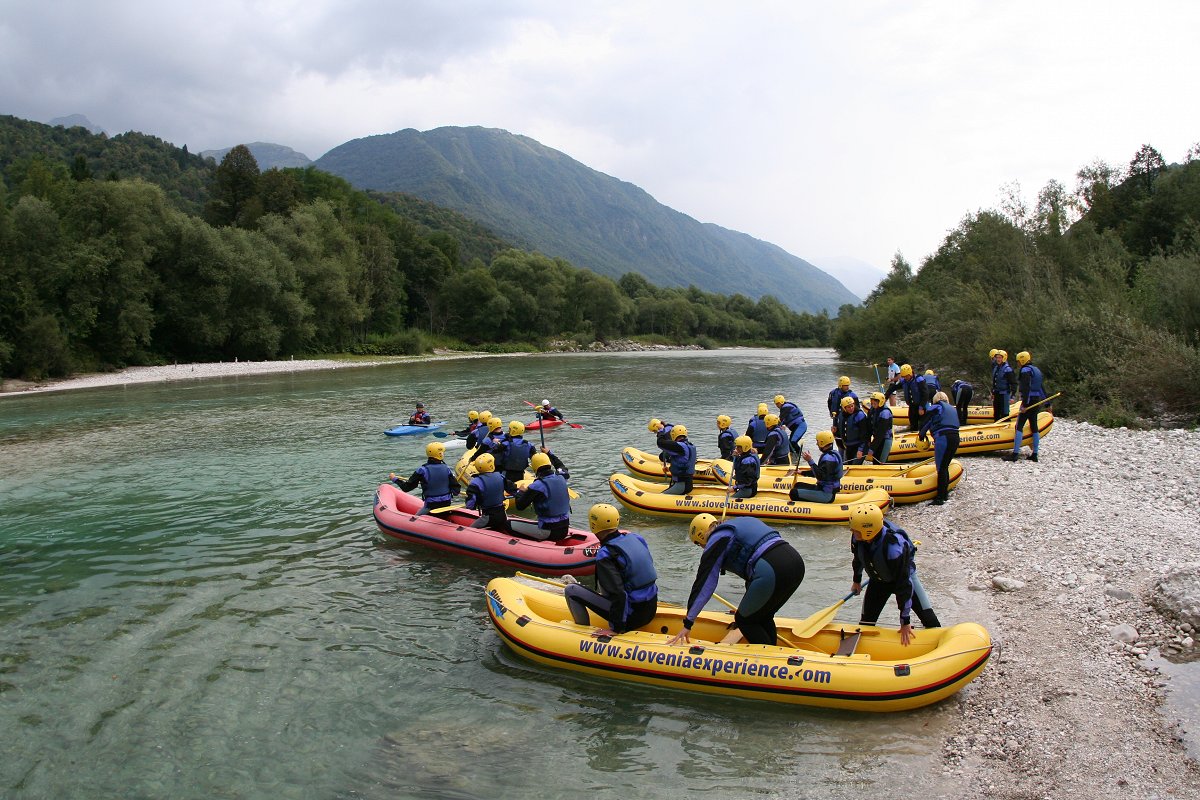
x=396, y=515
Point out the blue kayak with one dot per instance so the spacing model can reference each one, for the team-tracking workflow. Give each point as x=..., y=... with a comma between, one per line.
x=409, y=430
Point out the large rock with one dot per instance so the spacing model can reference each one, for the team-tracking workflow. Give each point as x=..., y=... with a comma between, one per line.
x=1178, y=594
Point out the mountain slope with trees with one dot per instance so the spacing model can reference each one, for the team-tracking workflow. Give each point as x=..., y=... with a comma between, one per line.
x=1101, y=285
x=543, y=199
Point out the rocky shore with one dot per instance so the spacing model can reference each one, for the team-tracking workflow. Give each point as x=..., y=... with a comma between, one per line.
x=1084, y=568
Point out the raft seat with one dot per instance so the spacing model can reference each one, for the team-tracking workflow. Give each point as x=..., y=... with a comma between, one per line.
x=848, y=644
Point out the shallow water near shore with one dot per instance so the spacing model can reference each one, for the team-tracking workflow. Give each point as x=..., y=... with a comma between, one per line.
x=196, y=602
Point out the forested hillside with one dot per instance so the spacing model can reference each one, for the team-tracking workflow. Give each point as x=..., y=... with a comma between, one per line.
x=128, y=251
x=541, y=198
x=1101, y=286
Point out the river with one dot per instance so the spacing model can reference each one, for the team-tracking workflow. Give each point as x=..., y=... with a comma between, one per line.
x=196, y=603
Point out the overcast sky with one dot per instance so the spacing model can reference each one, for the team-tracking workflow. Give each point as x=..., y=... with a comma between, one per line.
x=853, y=129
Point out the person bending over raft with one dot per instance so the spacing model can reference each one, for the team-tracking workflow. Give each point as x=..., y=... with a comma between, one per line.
x=912, y=388
x=681, y=459
x=547, y=411
x=485, y=494
x=549, y=496
x=880, y=420
x=1032, y=391
x=438, y=485
x=725, y=437
x=756, y=429
x=827, y=471
x=514, y=453
x=775, y=449
x=419, y=417
x=852, y=431
x=625, y=576
x=888, y=555
x=745, y=546
x=941, y=419
x=962, y=392
x=792, y=418
x=745, y=469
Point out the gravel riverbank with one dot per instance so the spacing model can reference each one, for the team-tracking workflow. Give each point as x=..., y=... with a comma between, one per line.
x=1060, y=560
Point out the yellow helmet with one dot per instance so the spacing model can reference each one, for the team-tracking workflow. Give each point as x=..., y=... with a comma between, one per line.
x=724, y=421
x=516, y=428
x=1023, y=357
x=484, y=416
x=744, y=443
x=472, y=415
x=928, y=372
x=824, y=439
x=653, y=425
x=485, y=463
x=495, y=424
x=877, y=397
x=866, y=520
x=435, y=450
x=701, y=525
x=772, y=420
x=603, y=517
x=847, y=401
x=1003, y=354
x=906, y=370
x=844, y=382
x=762, y=409
x=678, y=432
x=992, y=353
x=780, y=399
x=539, y=460
x=925, y=444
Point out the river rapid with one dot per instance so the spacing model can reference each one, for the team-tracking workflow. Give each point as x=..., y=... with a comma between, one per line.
x=196, y=603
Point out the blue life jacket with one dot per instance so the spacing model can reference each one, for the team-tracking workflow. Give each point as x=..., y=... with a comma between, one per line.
x=835, y=399
x=632, y=555
x=882, y=416
x=555, y=502
x=746, y=470
x=436, y=480
x=776, y=444
x=851, y=428
x=725, y=441
x=933, y=383
x=914, y=391
x=757, y=431
x=517, y=453
x=999, y=378
x=957, y=389
x=790, y=414
x=828, y=471
x=942, y=417
x=683, y=465
x=1036, y=392
x=666, y=431
x=750, y=537
x=490, y=486
x=873, y=554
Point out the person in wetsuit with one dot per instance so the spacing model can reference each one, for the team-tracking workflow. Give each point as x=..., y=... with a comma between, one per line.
x=827, y=471
x=625, y=576
x=880, y=419
x=1032, y=391
x=941, y=421
x=792, y=418
x=549, y=495
x=725, y=437
x=888, y=556
x=681, y=459
x=438, y=485
x=486, y=494
x=745, y=469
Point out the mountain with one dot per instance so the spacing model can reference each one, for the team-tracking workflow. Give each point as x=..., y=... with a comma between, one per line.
x=76, y=121
x=542, y=198
x=268, y=155
x=855, y=274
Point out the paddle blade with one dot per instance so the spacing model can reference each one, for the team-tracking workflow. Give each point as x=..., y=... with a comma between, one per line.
x=812, y=625
x=573, y=425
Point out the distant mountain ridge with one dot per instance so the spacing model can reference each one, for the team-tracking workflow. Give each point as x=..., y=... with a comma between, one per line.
x=268, y=155
x=544, y=199
x=76, y=121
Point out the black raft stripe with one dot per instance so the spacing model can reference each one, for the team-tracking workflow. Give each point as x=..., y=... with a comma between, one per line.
x=674, y=677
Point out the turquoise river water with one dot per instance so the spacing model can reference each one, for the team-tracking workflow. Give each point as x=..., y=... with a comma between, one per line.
x=195, y=602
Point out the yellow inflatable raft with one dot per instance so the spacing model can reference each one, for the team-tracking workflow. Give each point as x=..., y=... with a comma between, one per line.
x=647, y=465
x=648, y=498
x=913, y=483
x=976, y=415
x=876, y=673
x=971, y=439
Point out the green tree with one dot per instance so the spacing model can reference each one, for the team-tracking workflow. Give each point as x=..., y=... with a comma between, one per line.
x=234, y=199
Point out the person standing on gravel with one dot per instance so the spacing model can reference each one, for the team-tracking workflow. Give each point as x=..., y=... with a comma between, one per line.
x=888, y=555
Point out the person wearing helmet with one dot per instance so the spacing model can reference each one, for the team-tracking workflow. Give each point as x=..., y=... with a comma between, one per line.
x=756, y=553
x=472, y=424
x=757, y=427
x=775, y=449
x=827, y=471
x=681, y=459
x=852, y=431
x=931, y=381
x=625, y=576
x=486, y=493
x=547, y=411
x=838, y=392
x=1032, y=391
x=481, y=430
x=1004, y=384
x=438, y=485
x=491, y=441
x=912, y=388
x=941, y=421
x=888, y=555
x=419, y=416
x=549, y=495
x=879, y=420
x=660, y=429
x=513, y=452
x=746, y=469
x=893, y=375
x=792, y=418
x=725, y=437
x=961, y=393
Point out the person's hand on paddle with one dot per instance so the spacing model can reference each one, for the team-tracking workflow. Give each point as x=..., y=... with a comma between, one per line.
x=682, y=636
x=906, y=634
x=855, y=588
